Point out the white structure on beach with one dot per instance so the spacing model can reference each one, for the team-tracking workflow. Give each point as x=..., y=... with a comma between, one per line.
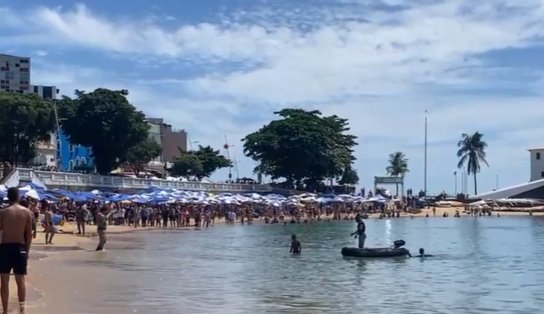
x=537, y=163
x=534, y=189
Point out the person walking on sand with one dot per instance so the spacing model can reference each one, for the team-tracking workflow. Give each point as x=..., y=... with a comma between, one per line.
x=49, y=227
x=81, y=218
x=16, y=227
x=101, y=225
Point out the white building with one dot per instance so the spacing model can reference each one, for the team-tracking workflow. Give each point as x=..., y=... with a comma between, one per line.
x=47, y=151
x=45, y=92
x=46, y=154
x=14, y=74
x=537, y=163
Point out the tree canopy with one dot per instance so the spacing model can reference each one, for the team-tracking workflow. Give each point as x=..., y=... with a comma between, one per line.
x=472, y=152
x=106, y=122
x=141, y=154
x=187, y=164
x=398, y=164
x=24, y=120
x=211, y=160
x=200, y=163
x=349, y=177
x=302, y=146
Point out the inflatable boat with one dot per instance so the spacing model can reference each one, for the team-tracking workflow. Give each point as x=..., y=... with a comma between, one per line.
x=375, y=252
x=395, y=251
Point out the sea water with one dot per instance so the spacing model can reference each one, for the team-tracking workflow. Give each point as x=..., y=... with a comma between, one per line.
x=480, y=265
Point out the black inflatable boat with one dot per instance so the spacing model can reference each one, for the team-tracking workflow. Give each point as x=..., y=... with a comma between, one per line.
x=395, y=251
x=375, y=252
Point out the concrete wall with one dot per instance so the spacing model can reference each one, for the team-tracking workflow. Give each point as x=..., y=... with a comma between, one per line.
x=537, y=164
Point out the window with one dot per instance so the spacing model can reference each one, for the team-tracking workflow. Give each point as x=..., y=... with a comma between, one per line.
x=16, y=65
x=83, y=161
x=71, y=165
x=542, y=174
x=537, y=156
x=24, y=69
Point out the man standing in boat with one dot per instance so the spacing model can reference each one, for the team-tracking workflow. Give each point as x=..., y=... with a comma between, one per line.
x=360, y=232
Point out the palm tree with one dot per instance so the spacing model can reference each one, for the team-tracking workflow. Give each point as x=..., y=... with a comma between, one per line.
x=472, y=152
x=398, y=166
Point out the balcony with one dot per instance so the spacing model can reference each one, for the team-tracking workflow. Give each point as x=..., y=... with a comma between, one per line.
x=86, y=181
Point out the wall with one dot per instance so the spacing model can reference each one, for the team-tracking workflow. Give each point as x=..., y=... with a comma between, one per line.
x=73, y=155
x=537, y=165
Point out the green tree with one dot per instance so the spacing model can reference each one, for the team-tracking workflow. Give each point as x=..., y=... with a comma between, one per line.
x=187, y=164
x=398, y=166
x=24, y=120
x=139, y=155
x=349, y=177
x=472, y=152
x=106, y=122
x=211, y=160
x=302, y=146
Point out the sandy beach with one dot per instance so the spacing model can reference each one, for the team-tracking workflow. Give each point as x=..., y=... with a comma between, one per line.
x=50, y=285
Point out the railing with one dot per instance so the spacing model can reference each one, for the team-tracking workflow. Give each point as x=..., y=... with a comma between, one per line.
x=66, y=179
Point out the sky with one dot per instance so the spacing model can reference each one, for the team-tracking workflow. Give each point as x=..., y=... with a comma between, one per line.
x=221, y=68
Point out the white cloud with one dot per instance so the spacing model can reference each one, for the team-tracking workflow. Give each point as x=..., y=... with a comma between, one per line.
x=377, y=68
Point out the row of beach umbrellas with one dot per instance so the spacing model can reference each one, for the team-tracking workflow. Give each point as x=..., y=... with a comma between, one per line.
x=155, y=195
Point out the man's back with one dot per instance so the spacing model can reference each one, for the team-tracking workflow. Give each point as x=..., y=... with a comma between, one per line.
x=14, y=221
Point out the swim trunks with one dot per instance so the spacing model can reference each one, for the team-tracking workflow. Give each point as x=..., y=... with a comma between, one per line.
x=13, y=256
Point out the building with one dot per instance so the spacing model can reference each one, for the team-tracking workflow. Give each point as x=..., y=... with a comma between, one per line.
x=45, y=92
x=47, y=150
x=155, y=126
x=46, y=155
x=533, y=189
x=537, y=163
x=171, y=141
x=14, y=74
x=74, y=157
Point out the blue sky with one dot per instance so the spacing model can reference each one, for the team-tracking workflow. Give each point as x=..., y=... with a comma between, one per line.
x=220, y=68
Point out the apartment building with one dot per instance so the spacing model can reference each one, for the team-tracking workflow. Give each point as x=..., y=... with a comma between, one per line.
x=14, y=74
x=169, y=139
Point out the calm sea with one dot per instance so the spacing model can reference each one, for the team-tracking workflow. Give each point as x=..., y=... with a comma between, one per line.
x=481, y=265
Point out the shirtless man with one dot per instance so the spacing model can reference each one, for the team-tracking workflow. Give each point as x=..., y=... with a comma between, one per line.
x=49, y=227
x=16, y=227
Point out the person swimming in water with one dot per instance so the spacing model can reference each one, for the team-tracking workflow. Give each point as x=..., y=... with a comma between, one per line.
x=422, y=254
x=296, y=248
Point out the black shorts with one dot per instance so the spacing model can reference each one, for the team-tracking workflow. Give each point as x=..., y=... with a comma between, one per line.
x=13, y=256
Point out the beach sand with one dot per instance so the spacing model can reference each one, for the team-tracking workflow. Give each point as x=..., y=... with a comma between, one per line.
x=49, y=286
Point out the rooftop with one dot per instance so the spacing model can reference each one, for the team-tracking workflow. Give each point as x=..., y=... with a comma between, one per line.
x=535, y=149
x=12, y=56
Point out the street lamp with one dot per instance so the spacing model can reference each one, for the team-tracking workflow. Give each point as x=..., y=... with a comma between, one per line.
x=425, y=157
x=455, y=175
x=191, y=144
